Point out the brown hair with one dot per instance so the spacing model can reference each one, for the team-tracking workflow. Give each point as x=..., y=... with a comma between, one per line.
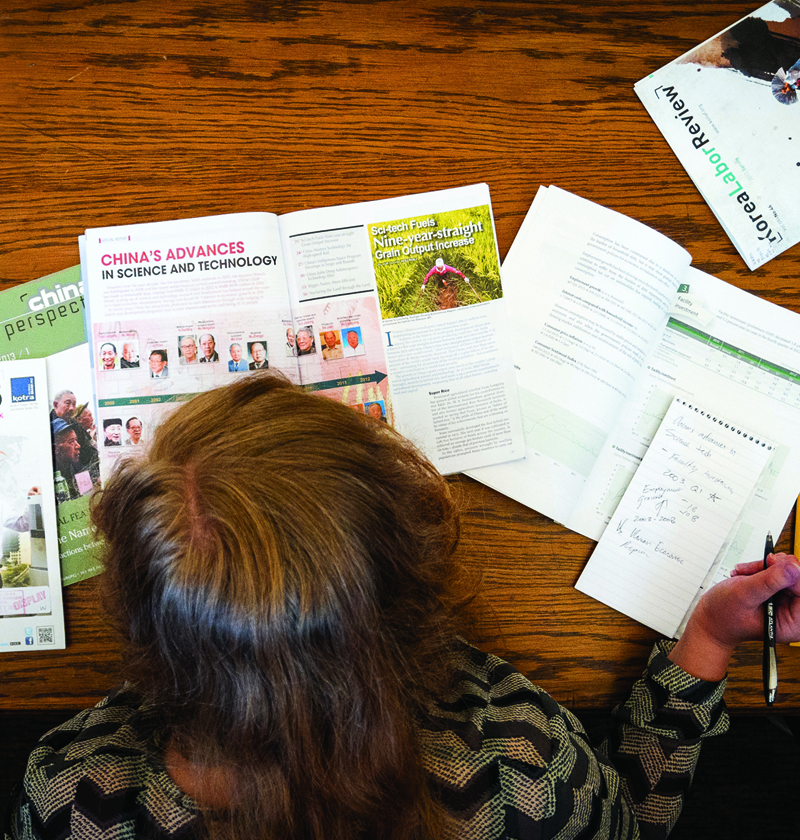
x=281, y=569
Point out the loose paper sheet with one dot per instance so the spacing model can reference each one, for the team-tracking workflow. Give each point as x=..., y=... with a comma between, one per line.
x=675, y=517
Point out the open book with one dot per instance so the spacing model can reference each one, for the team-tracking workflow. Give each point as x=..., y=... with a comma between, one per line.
x=610, y=324
x=393, y=307
x=31, y=611
x=730, y=109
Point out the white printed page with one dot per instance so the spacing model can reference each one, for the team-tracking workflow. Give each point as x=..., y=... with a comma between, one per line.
x=676, y=515
x=732, y=123
x=31, y=613
x=177, y=308
x=740, y=353
x=400, y=312
x=587, y=291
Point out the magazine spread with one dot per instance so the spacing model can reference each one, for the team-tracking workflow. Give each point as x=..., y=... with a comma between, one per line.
x=729, y=109
x=31, y=612
x=44, y=319
x=603, y=343
x=393, y=307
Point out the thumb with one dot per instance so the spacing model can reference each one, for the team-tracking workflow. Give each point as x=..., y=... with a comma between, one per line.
x=779, y=576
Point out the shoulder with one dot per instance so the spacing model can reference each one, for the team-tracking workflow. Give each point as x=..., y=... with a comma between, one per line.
x=99, y=773
x=499, y=750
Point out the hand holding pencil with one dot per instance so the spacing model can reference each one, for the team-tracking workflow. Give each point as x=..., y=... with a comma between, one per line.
x=733, y=611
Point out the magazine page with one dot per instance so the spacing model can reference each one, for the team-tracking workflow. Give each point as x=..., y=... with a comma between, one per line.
x=177, y=308
x=31, y=612
x=588, y=290
x=729, y=110
x=739, y=355
x=45, y=319
x=399, y=312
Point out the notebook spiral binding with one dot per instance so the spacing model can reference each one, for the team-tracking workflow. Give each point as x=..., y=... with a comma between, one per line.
x=745, y=436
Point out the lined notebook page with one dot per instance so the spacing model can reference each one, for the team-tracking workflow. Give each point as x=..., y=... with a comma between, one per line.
x=677, y=512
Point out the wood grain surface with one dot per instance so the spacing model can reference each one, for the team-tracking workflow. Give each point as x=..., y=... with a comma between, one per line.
x=137, y=110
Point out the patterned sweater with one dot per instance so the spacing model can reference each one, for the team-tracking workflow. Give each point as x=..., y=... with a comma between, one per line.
x=504, y=758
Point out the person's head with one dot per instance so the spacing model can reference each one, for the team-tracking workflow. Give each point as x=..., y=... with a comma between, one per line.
x=83, y=416
x=108, y=355
x=236, y=352
x=64, y=404
x=258, y=352
x=158, y=359
x=134, y=428
x=304, y=339
x=352, y=339
x=112, y=428
x=330, y=339
x=128, y=351
x=290, y=336
x=286, y=595
x=439, y=264
x=65, y=441
x=207, y=345
x=189, y=348
x=375, y=410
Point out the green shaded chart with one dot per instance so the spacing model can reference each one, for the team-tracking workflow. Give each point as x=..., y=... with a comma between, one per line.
x=560, y=434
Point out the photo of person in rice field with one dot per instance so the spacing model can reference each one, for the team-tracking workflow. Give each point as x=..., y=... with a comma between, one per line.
x=431, y=263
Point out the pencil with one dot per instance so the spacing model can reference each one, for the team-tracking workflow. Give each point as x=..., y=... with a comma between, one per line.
x=769, y=662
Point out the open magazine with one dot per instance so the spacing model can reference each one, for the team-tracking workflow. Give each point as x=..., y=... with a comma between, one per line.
x=610, y=324
x=393, y=307
x=44, y=319
x=31, y=612
x=730, y=109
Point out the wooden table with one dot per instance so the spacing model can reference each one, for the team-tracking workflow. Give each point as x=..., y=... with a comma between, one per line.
x=138, y=111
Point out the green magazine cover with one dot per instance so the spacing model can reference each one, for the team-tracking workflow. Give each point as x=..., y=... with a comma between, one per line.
x=44, y=319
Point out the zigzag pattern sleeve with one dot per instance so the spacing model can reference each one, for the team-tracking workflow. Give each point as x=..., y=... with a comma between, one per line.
x=508, y=762
x=93, y=778
x=656, y=743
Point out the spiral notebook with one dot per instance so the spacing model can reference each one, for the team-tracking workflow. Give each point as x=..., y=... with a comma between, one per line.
x=677, y=516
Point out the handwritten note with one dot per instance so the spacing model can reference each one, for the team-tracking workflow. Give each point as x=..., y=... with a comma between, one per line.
x=676, y=515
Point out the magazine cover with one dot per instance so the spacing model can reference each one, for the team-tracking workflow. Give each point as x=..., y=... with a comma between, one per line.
x=44, y=319
x=31, y=614
x=729, y=109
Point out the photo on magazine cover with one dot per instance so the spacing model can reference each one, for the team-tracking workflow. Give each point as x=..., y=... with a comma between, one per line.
x=434, y=262
x=764, y=48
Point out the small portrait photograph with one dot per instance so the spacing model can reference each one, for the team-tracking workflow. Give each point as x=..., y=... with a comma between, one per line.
x=108, y=356
x=208, y=348
x=376, y=409
x=112, y=431
x=159, y=366
x=352, y=345
x=237, y=362
x=290, y=347
x=187, y=350
x=258, y=353
x=133, y=431
x=130, y=354
x=306, y=346
x=331, y=342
